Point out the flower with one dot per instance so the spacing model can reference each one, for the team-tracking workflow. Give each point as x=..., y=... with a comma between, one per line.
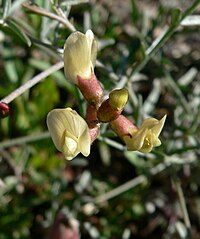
x=69, y=132
x=145, y=138
x=80, y=52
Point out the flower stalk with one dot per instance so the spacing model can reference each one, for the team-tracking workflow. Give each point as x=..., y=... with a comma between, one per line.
x=72, y=134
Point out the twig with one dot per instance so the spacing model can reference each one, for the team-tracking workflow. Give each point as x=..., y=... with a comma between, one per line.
x=182, y=205
x=32, y=82
x=8, y=159
x=44, y=12
x=130, y=184
x=24, y=140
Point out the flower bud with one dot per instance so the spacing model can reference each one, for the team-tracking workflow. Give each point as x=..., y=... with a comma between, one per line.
x=4, y=110
x=80, y=52
x=69, y=132
x=111, y=108
x=146, y=137
x=118, y=99
x=106, y=113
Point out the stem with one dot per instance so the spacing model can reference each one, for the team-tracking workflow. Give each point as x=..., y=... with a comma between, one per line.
x=130, y=184
x=44, y=12
x=32, y=82
x=24, y=140
x=182, y=205
x=10, y=162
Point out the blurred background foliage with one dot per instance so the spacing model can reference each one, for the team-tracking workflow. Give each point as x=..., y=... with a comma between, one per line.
x=112, y=193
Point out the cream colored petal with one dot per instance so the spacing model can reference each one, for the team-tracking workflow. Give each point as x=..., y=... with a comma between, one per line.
x=73, y=119
x=77, y=56
x=146, y=149
x=128, y=141
x=94, y=52
x=93, y=46
x=149, y=123
x=157, y=142
x=146, y=137
x=68, y=130
x=148, y=142
x=56, y=127
x=84, y=142
x=137, y=140
x=90, y=38
x=70, y=148
x=159, y=126
x=67, y=118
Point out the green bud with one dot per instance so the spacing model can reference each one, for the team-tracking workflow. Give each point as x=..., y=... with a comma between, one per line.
x=118, y=99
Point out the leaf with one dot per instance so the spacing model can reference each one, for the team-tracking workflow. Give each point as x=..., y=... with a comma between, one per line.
x=153, y=97
x=175, y=17
x=14, y=26
x=134, y=13
x=6, y=8
x=10, y=27
x=193, y=20
x=15, y=5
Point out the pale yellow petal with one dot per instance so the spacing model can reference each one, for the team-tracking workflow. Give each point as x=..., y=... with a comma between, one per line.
x=148, y=142
x=159, y=126
x=145, y=138
x=93, y=46
x=136, y=141
x=69, y=132
x=157, y=142
x=77, y=56
x=149, y=123
x=66, y=119
x=70, y=148
x=84, y=142
x=146, y=149
x=56, y=128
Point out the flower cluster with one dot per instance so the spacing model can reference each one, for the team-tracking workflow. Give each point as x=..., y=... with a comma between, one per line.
x=71, y=133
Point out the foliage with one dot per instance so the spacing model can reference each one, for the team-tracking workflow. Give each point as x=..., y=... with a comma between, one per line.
x=151, y=48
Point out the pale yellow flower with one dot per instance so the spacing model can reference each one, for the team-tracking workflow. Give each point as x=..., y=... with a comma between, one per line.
x=146, y=137
x=80, y=52
x=69, y=132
